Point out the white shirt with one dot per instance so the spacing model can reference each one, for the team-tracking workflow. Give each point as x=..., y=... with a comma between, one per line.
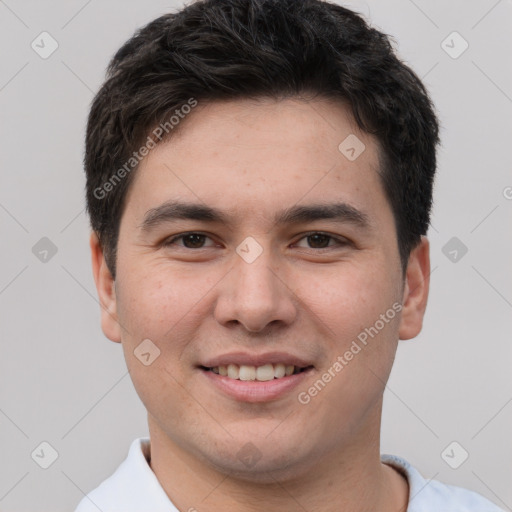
x=134, y=488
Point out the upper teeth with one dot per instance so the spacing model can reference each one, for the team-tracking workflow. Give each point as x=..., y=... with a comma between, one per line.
x=261, y=373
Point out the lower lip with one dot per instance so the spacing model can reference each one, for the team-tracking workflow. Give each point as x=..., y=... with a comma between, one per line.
x=254, y=390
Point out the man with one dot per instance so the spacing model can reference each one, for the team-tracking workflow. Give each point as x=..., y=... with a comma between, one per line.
x=259, y=182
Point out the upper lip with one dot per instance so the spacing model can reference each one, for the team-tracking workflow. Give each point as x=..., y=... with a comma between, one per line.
x=246, y=359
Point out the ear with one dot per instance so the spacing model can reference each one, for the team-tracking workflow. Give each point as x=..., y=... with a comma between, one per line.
x=106, y=291
x=416, y=288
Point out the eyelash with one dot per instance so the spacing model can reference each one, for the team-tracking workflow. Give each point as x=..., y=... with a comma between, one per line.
x=340, y=242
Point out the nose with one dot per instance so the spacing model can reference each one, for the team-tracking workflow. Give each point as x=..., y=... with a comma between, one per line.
x=256, y=295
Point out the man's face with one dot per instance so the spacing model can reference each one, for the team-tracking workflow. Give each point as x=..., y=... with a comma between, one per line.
x=257, y=289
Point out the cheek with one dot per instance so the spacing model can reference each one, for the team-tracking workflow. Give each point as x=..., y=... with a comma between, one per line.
x=360, y=344
x=167, y=307
x=158, y=303
x=347, y=298
x=163, y=308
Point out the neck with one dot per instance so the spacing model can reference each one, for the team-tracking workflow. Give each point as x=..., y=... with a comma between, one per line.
x=349, y=479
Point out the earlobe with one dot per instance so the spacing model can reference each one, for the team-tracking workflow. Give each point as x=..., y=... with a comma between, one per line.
x=416, y=289
x=106, y=291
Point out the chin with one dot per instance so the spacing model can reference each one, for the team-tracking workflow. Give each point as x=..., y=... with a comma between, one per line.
x=265, y=471
x=260, y=459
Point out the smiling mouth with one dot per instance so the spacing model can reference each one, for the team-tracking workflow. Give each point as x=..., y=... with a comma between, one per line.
x=264, y=373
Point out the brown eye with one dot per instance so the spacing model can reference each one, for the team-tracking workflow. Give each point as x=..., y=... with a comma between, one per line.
x=193, y=241
x=189, y=241
x=319, y=240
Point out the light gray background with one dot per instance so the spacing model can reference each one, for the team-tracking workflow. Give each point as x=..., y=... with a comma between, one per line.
x=64, y=383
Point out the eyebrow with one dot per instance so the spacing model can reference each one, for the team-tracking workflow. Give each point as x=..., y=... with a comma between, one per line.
x=178, y=210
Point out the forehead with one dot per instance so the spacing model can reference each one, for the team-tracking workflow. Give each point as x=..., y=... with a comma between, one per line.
x=257, y=157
